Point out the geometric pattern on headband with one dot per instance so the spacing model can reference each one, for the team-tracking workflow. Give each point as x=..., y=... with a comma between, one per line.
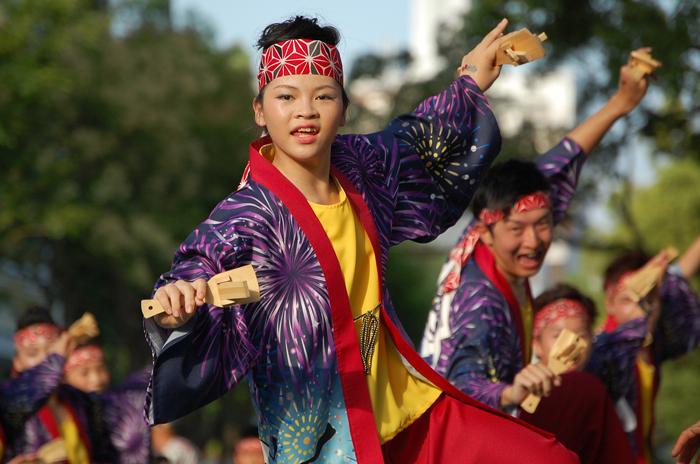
x=37, y=334
x=299, y=56
x=529, y=202
x=563, y=308
x=83, y=355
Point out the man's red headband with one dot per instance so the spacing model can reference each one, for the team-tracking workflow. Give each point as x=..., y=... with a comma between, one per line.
x=563, y=308
x=530, y=202
x=36, y=334
x=300, y=56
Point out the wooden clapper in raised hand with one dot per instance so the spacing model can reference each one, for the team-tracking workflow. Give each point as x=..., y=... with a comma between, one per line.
x=520, y=47
x=234, y=287
x=84, y=329
x=642, y=64
x=643, y=281
x=564, y=354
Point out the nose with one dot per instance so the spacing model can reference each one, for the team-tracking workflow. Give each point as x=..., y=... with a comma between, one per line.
x=531, y=238
x=306, y=108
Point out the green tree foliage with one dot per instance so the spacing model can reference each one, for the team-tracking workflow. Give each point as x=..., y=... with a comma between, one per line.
x=596, y=37
x=112, y=149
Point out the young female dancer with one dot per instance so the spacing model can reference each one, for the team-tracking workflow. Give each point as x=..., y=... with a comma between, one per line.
x=331, y=371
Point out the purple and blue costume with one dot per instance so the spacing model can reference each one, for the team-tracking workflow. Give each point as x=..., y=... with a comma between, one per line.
x=472, y=337
x=25, y=397
x=298, y=345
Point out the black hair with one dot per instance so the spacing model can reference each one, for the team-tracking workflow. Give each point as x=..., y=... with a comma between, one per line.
x=34, y=315
x=561, y=291
x=298, y=27
x=624, y=263
x=250, y=432
x=506, y=183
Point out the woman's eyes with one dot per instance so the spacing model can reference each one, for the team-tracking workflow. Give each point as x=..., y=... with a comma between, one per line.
x=287, y=97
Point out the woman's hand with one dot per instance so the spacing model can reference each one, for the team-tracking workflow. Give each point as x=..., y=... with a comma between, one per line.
x=687, y=445
x=180, y=300
x=64, y=345
x=534, y=378
x=479, y=63
x=629, y=91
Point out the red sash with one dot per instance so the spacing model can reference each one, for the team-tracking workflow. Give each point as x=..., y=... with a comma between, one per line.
x=352, y=376
x=47, y=418
x=3, y=444
x=486, y=262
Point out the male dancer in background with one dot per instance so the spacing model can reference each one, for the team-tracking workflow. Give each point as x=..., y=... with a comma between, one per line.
x=479, y=328
x=673, y=331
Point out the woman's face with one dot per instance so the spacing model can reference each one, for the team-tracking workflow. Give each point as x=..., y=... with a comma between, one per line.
x=91, y=377
x=302, y=114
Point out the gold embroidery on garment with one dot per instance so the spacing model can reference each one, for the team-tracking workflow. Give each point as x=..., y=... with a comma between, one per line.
x=368, y=337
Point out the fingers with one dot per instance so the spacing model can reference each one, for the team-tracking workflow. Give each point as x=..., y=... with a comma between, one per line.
x=182, y=297
x=495, y=33
x=687, y=445
x=537, y=379
x=200, y=288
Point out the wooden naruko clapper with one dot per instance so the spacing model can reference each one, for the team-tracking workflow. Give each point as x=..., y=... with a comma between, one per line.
x=564, y=354
x=235, y=287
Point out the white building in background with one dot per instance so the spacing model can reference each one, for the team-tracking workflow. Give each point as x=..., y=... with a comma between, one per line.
x=427, y=18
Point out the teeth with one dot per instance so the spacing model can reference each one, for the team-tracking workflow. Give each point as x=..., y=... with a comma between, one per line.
x=306, y=129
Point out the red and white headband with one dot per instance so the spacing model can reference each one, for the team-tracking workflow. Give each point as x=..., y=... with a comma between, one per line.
x=300, y=56
x=36, y=334
x=614, y=289
x=83, y=355
x=563, y=308
x=530, y=202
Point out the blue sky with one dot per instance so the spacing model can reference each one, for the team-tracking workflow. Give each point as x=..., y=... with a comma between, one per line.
x=367, y=26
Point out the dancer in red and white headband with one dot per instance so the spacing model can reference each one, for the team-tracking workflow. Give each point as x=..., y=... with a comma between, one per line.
x=478, y=333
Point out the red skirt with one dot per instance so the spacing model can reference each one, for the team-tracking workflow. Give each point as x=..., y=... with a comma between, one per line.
x=455, y=432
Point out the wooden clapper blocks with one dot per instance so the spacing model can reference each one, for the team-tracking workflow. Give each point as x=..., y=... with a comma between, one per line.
x=520, y=47
x=564, y=354
x=234, y=287
x=84, y=329
x=643, y=281
x=642, y=64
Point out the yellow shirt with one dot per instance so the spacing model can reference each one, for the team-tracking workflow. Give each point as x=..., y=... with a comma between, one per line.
x=398, y=398
x=646, y=387
x=526, y=313
x=77, y=452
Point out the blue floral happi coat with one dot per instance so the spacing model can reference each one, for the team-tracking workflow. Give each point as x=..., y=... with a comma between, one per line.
x=298, y=345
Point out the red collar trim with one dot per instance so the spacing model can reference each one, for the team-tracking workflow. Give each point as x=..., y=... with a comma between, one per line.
x=3, y=444
x=359, y=406
x=47, y=418
x=486, y=262
x=352, y=376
